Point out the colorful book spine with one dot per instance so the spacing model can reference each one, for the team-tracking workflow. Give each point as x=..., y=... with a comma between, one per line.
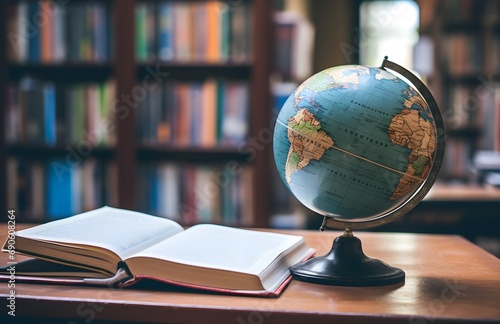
x=49, y=31
x=59, y=190
x=49, y=111
x=194, y=194
x=193, y=31
x=141, y=11
x=53, y=113
x=54, y=189
x=46, y=30
x=202, y=114
x=34, y=39
x=59, y=51
x=165, y=32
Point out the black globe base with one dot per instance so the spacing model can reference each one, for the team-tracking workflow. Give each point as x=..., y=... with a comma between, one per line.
x=347, y=265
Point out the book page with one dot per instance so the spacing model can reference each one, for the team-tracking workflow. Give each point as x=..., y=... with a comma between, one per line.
x=225, y=248
x=121, y=231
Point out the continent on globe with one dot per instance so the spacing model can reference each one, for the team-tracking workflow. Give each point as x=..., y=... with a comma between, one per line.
x=409, y=129
x=342, y=77
x=307, y=141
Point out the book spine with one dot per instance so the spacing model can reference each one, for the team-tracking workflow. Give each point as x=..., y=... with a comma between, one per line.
x=213, y=32
x=49, y=109
x=225, y=33
x=192, y=194
x=208, y=116
x=196, y=109
x=15, y=38
x=100, y=32
x=140, y=32
x=183, y=32
x=46, y=30
x=165, y=31
x=34, y=39
x=235, y=108
x=193, y=31
x=171, y=197
x=58, y=190
x=154, y=191
x=13, y=115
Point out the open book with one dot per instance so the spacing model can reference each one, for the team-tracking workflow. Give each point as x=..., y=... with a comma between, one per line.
x=120, y=247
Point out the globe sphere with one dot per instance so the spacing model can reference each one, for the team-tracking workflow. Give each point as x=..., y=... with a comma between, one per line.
x=354, y=142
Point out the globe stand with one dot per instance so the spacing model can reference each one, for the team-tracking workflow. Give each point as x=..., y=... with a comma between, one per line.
x=347, y=265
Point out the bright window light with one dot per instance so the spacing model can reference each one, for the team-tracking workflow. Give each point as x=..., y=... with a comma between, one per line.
x=388, y=28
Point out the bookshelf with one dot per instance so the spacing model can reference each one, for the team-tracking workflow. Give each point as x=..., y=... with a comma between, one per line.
x=465, y=77
x=127, y=153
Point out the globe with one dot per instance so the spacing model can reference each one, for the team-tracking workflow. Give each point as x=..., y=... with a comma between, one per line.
x=361, y=146
x=358, y=144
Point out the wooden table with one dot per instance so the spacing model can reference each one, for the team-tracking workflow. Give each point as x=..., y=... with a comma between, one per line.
x=463, y=193
x=448, y=280
x=468, y=210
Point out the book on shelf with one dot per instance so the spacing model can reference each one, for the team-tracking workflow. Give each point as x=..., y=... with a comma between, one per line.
x=206, y=31
x=463, y=11
x=51, y=113
x=110, y=246
x=190, y=194
x=467, y=107
x=457, y=160
x=463, y=53
x=294, y=42
x=49, y=31
x=475, y=108
x=196, y=113
x=43, y=190
x=145, y=15
x=63, y=189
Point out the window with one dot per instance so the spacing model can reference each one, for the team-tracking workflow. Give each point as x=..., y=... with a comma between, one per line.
x=388, y=28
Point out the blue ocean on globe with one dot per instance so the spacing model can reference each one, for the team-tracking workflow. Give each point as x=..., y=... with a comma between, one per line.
x=354, y=142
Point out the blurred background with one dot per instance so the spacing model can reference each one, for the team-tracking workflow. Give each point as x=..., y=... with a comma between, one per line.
x=168, y=107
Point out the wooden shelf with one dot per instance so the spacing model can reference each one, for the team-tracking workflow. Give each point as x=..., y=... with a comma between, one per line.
x=473, y=25
x=190, y=154
x=195, y=70
x=469, y=132
x=470, y=26
x=470, y=78
x=42, y=152
x=67, y=72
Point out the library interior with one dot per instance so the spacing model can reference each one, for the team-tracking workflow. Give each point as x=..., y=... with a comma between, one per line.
x=170, y=108
x=121, y=105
